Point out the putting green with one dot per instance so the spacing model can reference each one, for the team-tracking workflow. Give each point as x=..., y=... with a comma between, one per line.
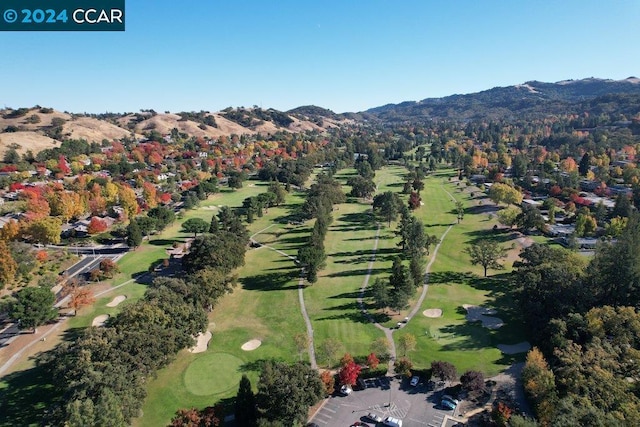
x=212, y=373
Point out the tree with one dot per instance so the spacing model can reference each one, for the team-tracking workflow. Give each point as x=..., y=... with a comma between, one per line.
x=281, y=194
x=312, y=259
x=444, y=371
x=349, y=372
x=583, y=166
x=147, y=224
x=245, y=407
x=414, y=200
x=163, y=216
x=208, y=285
x=96, y=225
x=134, y=234
x=387, y=205
x=361, y=187
x=78, y=296
x=45, y=231
x=500, y=193
x=472, y=381
x=372, y=361
x=530, y=217
x=329, y=382
x=539, y=384
x=460, y=211
x=622, y=207
x=223, y=250
x=128, y=200
x=302, y=343
x=486, y=253
x=214, y=226
x=33, y=307
x=285, y=392
x=403, y=366
x=585, y=225
x=509, y=216
x=329, y=350
x=380, y=293
x=380, y=347
x=195, y=226
x=8, y=266
x=407, y=342
x=431, y=239
x=401, y=285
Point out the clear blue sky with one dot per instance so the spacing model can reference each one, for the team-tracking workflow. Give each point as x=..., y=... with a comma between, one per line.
x=346, y=55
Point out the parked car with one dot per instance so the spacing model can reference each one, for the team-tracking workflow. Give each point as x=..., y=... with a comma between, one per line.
x=446, y=403
x=454, y=400
x=373, y=417
x=393, y=422
x=346, y=390
x=414, y=381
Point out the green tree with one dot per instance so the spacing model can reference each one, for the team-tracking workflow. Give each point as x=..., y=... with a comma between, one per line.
x=387, y=205
x=163, y=215
x=401, y=286
x=146, y=224
x=503, y=193
x=134, y=234
x=312, y=259
x=329, y=350
x=281, y=194
x=223, y=251
x=195, y=226
x=460, y=211
x=214, y=226
x=380, y=293
x=245, y=407
x=33, y=307
x=361, y=187
x=509, y=216
x=486, y=253
x=285, y=392
x=381, y=347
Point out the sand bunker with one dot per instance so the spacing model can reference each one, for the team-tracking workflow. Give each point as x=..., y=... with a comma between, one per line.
x=251, y=345
x=521, y=347
x=481, y=314
x=100, y=320
x=202, y=342
x=433, y=312
x=116, y=300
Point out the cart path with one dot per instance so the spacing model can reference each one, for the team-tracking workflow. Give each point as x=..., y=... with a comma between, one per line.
x=303, y=308
x=388, y=332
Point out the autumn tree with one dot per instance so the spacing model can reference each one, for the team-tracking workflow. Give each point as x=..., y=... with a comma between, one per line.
x=380, y=347
x=329, y=381
x=348, y=374
x=539, y=384
x=8, y=265
x=414, y=200
x=128, y=200
x=96, y=225
x=407, y=342
x=329, y=350
x=150, y=194
x=486, y=253
x=10, y=231
x=372, y=361
x=80, y=296
x=403, y=366
x=45, y=231
x=504, y=193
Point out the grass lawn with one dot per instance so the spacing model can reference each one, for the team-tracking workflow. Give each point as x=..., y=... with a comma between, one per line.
x=454, y=282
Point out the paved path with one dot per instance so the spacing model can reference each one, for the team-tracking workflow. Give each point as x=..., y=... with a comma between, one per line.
x=303, y=307
x=388, y=332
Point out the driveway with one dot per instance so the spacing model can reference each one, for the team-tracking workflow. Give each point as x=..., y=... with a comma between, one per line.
x=385, y=396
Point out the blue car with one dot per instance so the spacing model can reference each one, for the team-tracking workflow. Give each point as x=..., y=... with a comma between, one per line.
x=446, y=403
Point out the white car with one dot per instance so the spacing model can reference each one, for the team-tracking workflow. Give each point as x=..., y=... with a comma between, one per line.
x=346, y=390
x=414, y=381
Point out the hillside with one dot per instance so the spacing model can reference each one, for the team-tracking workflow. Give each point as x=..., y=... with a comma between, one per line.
x=528, y=100
x=39, y=128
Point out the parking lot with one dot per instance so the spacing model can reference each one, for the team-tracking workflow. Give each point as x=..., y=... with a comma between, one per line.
x=386, y=396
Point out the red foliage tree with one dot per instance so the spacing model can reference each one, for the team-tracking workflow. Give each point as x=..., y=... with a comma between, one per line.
x=329, y=381
x=349, y=373
x=414, y=200
x=63, y=166
x=96, y=225
x=555, y=191
x=346, y=359
x=373, y=361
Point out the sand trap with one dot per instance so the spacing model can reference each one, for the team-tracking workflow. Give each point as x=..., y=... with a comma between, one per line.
x=481, y=314
x=116, y=300
x=202, y=342
x=433, y=312
x=100, y=320
x=521, y=347
x=251, y=345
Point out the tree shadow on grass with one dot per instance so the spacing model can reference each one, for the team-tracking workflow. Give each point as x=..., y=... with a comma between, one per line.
x=466, y=336
x=27, y=397
x=441, y=277
x=165, y=242
x=272, y=281
x=359, y=272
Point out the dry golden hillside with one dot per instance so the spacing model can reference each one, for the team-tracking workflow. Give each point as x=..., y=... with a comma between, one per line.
x=26, y=141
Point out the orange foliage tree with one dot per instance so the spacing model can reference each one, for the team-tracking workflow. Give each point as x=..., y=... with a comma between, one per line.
x=96, y=225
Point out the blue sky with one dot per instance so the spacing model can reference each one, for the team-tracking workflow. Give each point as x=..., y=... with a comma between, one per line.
x=344, y=55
